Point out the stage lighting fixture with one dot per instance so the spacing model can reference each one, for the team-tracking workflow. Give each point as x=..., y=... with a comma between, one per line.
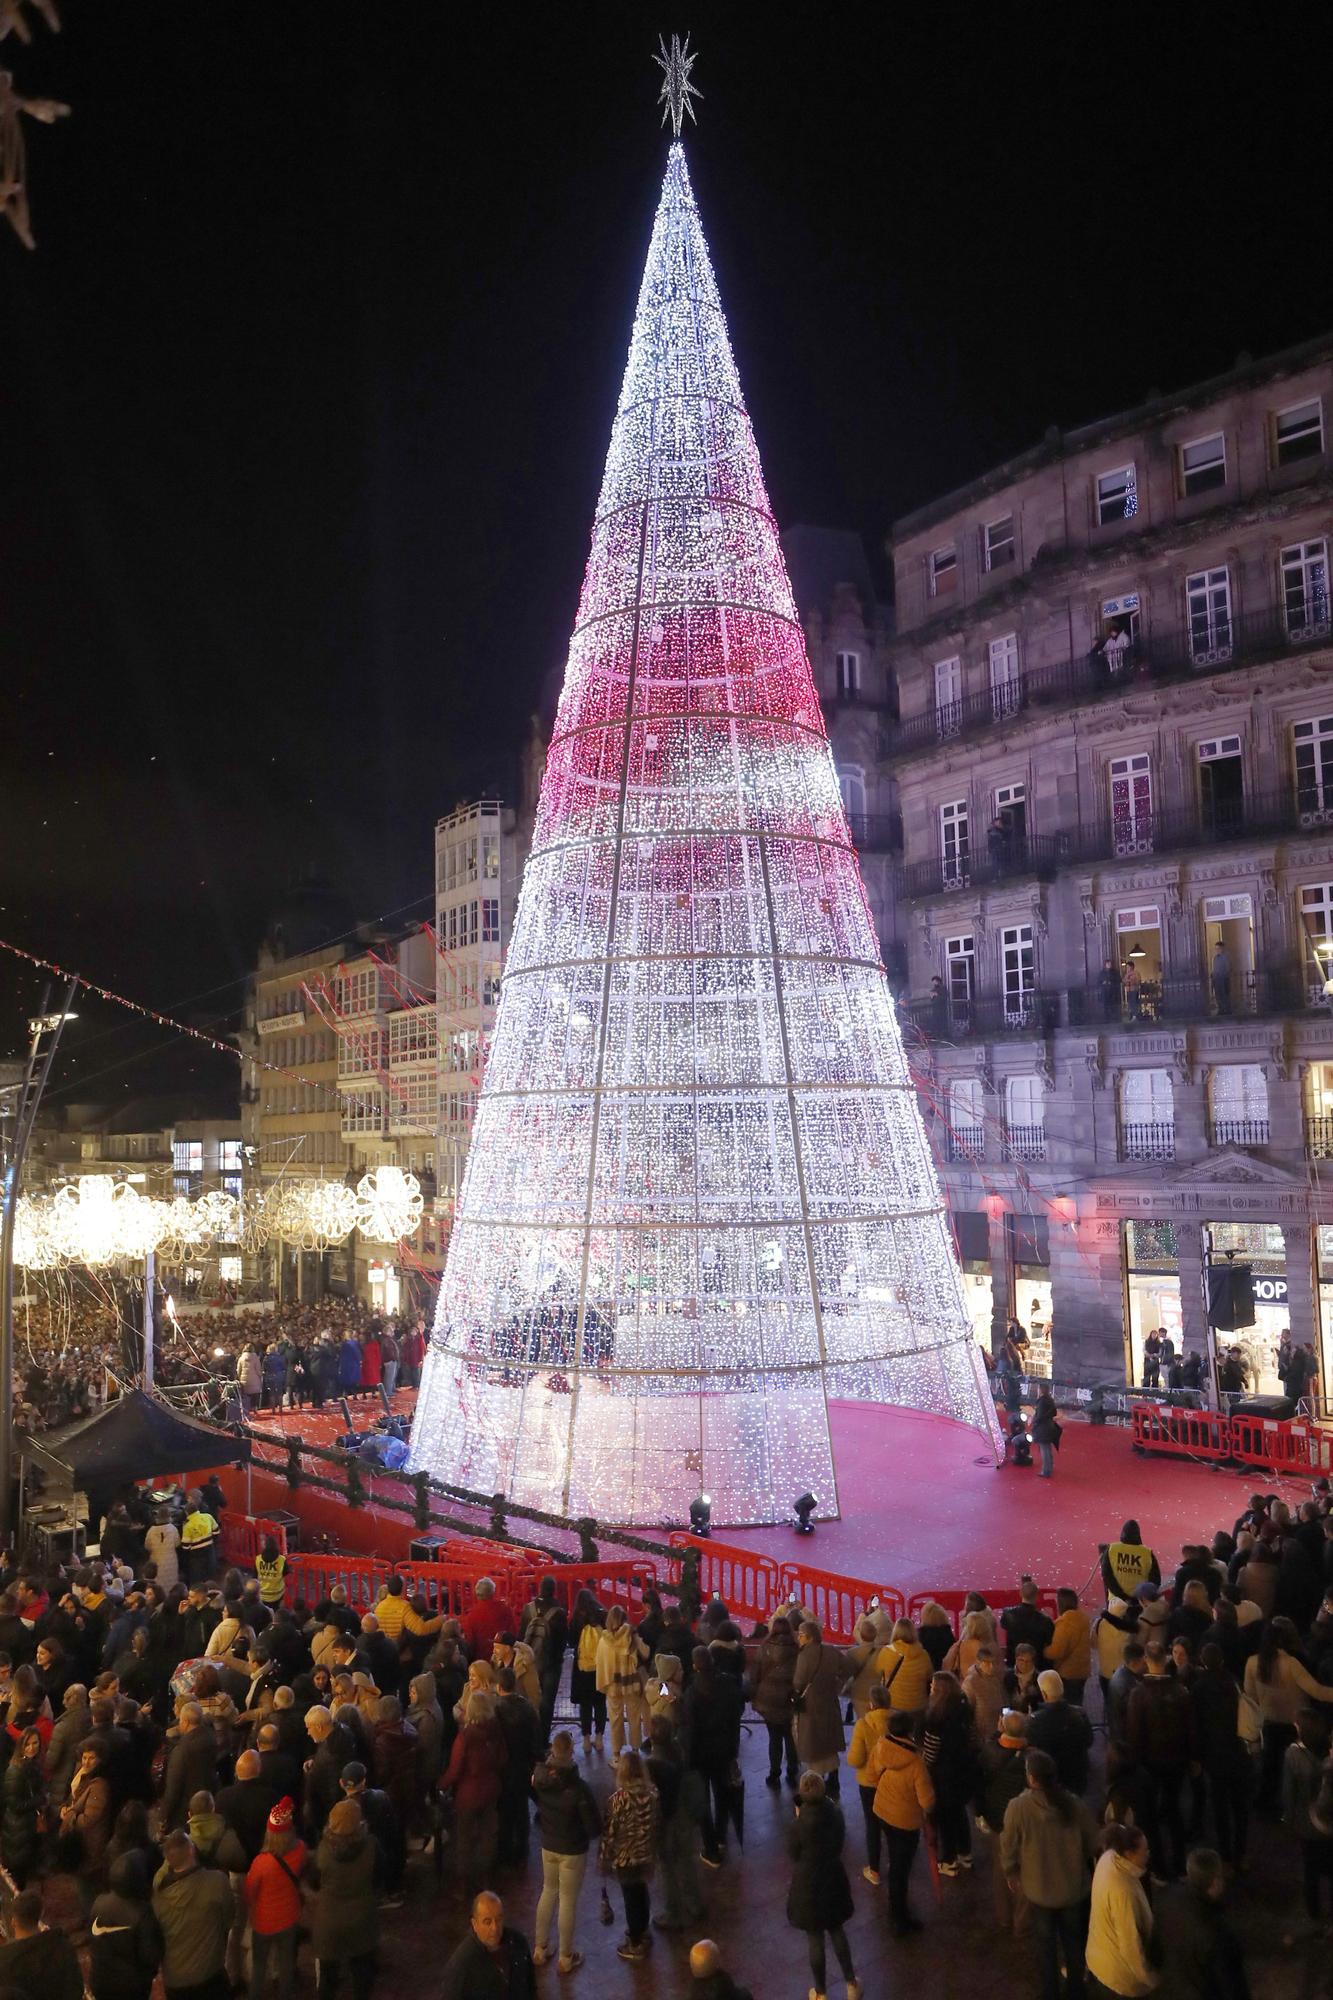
x=701, y=1515
x=803, y=1509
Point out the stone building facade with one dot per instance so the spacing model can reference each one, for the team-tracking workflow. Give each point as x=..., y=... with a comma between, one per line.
x=1114, y=763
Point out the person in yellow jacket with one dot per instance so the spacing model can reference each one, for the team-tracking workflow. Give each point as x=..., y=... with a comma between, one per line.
x=621, y=1655
x=871, y=1728
x=905, y=1669
x=198, y=1539
x=271, y=1569
x=904, y=1795
x=1070, y=1648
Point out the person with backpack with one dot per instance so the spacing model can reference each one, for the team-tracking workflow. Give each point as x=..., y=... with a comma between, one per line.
x=585, y=1634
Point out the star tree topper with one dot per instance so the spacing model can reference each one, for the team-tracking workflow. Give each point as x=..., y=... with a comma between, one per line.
x=677, y=90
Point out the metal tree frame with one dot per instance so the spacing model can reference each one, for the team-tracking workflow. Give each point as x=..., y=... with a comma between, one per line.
x=699, y=1200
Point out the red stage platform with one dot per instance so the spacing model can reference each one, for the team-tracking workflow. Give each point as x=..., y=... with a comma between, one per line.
x=923, y=1506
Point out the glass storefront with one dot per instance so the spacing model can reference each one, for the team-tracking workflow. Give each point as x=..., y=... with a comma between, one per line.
x=1261, y=1245
x=1031, y=1254
x=1152, y=1284
x=1324, y=1342
x=972, y=1233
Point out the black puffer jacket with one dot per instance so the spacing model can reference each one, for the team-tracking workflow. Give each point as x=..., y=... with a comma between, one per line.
x=567, y=1815
x=820, y=1897
x=125, y=1948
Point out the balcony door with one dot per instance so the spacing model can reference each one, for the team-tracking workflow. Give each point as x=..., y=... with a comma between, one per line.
x=1006, y=689
x=1228, y=947
x=1018, y=974
x=948, y=697
x=1221, y=787
x=1131, y=804
x=1138, y=957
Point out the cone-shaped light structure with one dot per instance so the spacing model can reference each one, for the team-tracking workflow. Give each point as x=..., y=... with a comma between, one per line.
x=699, y=1200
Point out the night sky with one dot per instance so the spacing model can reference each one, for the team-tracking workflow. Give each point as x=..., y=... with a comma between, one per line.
x=307, y=386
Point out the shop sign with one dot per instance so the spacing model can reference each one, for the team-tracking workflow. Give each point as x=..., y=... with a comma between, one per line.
x=1270, y=1291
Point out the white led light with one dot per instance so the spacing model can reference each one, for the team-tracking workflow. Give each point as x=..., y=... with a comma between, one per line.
x=690, y=1214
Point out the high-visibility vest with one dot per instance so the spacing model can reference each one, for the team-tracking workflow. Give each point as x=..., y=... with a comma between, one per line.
x=199, y=1529
x=1130, y=1564
x=271, y=1575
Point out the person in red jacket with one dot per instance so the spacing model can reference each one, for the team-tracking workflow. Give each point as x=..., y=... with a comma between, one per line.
x=488, y=1618
x=372, y=1364
x=273, y=1900
x=474, y=1773
x=411, y=1354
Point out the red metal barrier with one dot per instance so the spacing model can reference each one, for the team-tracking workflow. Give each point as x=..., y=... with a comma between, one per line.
x=1181, y=1433
x=313, y=1577
x=750, y=1584
x=1276, y=1444
x=610, y=1582
x=838, y=1602
x=241, y=1539
x=1313, y=1447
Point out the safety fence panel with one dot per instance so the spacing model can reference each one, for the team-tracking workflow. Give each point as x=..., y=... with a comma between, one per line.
x=839, y=1603
x=451, y=1588
x=311, y=1578
x=748, y=1583
x=1181, y=1433
x=610, y=1582
x=1313, y=1446
x=240, y=1539
x=1272, y=1442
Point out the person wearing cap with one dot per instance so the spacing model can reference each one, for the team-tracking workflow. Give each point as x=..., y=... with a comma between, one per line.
x=345, y=1921
x=1063, y=1732
x=711, y=1979
x=493, y=1961
x=273, y=1901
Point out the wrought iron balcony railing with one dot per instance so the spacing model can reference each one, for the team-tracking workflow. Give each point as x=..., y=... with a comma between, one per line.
x=1007, y=860
x=1239, y=1131
x=1147, y=1142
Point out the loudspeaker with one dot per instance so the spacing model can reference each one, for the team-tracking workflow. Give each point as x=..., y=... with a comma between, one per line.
x=1262, y=1406
x=1230, y=1296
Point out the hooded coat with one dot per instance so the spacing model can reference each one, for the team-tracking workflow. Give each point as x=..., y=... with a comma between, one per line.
x=427, y=1718
x=665, y=1693
x=904, y=1793
x=125, y=1945
x=816, y=1687
x=773, y=1675
x=346, y=1911
x=820, y=1897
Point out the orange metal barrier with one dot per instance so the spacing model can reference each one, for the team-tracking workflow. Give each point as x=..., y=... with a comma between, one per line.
x=610, y=1582
x=313, y=1577
x=838, y=1602
x=1313, y=1444
x=1181, y=1433
x=751, y=1585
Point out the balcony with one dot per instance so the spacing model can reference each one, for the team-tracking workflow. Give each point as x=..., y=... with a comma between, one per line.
x=965, y=1142
x=985, y=1015
x=1253, y=995
x=877, y=833
x=1148, y=1142
x=1025, y=1142
x=1237, y=642
x=1239, y=1131
x=1008, y=860
x=1267, y=816
x=1319, y=1135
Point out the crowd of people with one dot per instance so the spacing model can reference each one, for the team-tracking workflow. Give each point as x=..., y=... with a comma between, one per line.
x=70, y=1359
x=217, y=1772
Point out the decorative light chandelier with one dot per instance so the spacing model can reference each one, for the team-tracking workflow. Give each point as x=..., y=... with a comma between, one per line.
x=388, y=1204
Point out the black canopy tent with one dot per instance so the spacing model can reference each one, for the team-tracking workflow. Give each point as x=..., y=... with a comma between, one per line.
x=136, y=1437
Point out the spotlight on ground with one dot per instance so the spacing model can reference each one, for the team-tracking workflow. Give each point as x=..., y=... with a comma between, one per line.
x=804, y=1509
x=701, y=1516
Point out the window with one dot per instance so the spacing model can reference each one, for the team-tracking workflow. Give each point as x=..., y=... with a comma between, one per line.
x=1313, y=744
x=1222, y=784
x=967, y=1118
x=852, y=785
x=490, y=856
x=943, y=571
x=1238, y=1104
x=960, y=969
x=1011, y=813
x=1305, y=589
x=1298, y=433
x=1117, y=495
x=1203, y=465
x=1024, y=1118
x=187, y=1156
x=490, y=985
x=412, y=1035
x=1317, y=923
x=1018, y=975
x=230, y=1156
x=1006, y=688
x=948, y=696
x=848, y=668
x=1147, y=1115
x=1131, y=805
x=997, y=542
x=1208, y=603
x=490, y=920
x=954, y=844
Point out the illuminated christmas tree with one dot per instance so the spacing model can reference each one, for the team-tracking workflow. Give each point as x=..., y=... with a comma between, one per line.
x=699, y=1200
